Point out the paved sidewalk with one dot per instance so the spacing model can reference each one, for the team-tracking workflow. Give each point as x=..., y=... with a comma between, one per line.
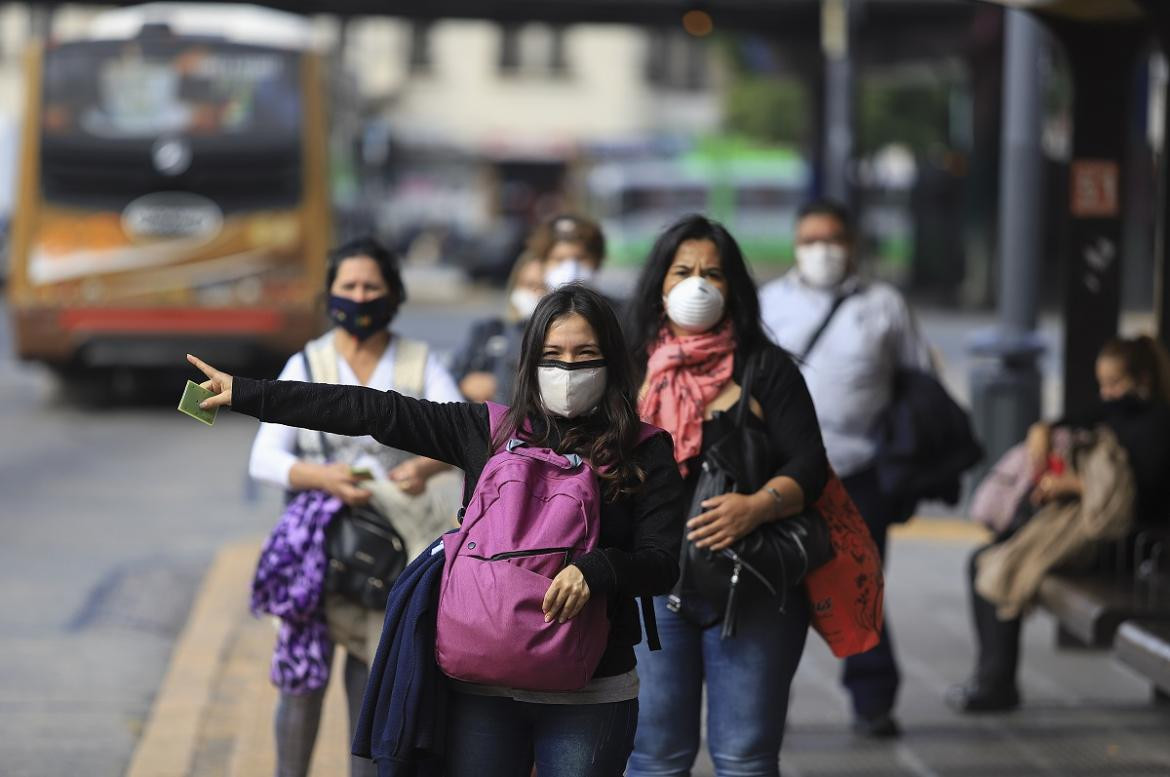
x=1083, y=714
x=213, y=714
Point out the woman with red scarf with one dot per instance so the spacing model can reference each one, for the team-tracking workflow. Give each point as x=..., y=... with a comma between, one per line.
x=694, y=322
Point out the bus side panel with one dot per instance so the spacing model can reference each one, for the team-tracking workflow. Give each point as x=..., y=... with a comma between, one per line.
x=27, y=205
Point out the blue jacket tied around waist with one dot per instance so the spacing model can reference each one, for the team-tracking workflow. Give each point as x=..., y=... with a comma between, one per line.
x=402, y=724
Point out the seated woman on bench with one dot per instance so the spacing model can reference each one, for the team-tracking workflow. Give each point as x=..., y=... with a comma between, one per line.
x=1133, y=376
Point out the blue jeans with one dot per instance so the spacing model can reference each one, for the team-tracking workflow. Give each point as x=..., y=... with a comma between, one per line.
x=494, y=736
x=748, y=677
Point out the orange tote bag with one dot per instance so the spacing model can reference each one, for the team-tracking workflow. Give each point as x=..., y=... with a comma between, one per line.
x=846, y=594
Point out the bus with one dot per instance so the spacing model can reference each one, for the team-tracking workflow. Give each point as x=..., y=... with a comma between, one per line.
x=755, y=192
x=173, y=192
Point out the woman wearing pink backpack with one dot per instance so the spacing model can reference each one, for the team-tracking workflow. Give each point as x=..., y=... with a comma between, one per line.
x=573, y=406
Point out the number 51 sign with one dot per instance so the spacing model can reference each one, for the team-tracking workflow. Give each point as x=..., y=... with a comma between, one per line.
x=1093, y=187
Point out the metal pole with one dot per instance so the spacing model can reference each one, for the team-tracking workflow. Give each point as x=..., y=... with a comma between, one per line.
x=1006, y=392
x=1020, y=174
x=835, y=29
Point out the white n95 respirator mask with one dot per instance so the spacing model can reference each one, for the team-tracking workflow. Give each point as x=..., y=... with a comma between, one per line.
x=822, y=264
x=570, y=389
x=694, y=304
x=525, y=302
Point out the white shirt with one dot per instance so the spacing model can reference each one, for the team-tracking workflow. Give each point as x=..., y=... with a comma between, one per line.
x=850, y=371
x=274, y=450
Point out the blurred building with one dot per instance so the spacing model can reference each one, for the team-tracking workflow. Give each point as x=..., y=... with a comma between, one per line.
x=485, y=126
x=532, y=89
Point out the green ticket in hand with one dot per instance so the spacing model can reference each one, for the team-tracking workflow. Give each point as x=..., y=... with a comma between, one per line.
x=193, y=394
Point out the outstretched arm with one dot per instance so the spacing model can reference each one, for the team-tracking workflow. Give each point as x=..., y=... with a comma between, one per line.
x=437, y=430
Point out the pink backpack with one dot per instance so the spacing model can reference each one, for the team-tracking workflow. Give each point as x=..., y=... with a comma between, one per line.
x=532, y=512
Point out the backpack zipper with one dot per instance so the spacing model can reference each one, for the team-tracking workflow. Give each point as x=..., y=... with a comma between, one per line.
x=527, y=553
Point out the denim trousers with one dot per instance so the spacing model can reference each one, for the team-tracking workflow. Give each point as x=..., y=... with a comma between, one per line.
x=495, y=736
x=748, y=677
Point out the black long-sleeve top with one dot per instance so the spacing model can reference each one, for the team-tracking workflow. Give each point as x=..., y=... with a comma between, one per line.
x=637, y=554
x=1143, y=430
x=795, y=448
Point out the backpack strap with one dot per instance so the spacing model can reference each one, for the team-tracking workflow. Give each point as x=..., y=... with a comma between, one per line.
x=650, y=623
x=321, y=360
x=410, y=366
x=647, y=431
x=496, y=414
x=313, y=355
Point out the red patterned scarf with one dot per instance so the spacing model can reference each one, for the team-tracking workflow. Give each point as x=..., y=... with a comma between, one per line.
x=683, y=376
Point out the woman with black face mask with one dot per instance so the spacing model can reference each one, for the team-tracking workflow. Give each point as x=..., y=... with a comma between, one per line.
x=364, y=290
x=1133, y=378
x=574, y=394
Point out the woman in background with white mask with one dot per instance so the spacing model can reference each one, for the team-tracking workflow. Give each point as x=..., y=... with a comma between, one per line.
x=486, y=365
x=694, y=324
x=571, y=248
x=574, y=393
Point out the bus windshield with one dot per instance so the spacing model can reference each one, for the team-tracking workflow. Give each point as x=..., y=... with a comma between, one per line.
x=134, y=91
x=121, y=118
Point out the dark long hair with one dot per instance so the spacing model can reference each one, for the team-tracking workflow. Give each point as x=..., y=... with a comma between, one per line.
x=385, y=259
x=607, y=436
x=645, y=312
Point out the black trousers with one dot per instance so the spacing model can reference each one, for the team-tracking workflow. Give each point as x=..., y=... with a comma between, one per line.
x=872, y=677
x=997, y=641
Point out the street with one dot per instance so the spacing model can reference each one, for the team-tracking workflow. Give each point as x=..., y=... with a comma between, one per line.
x=109, y=518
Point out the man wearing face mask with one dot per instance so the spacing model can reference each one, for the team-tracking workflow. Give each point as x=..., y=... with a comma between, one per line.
x=860, y=332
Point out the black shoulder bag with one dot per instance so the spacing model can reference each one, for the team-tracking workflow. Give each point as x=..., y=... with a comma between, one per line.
x=366, y=553
x=767, y=562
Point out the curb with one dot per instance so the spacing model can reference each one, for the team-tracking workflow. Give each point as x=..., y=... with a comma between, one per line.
x=170, y=736
x=940, y=529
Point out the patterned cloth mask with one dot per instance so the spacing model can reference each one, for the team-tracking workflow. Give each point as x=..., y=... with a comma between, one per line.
x=361, y=319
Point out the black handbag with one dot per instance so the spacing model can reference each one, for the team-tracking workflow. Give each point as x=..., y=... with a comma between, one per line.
x=766, y=563
x=366, y=553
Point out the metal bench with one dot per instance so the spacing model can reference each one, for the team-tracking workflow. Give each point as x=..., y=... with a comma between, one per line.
x=1144, y=646
x=1089, y=608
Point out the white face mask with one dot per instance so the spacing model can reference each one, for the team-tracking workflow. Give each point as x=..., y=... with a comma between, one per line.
x=694, y=304
x=524, y=301
x=823, y=265
x=568, y=271
x=569, y=389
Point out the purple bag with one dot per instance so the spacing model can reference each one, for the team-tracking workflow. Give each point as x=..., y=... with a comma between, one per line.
x=533, y=511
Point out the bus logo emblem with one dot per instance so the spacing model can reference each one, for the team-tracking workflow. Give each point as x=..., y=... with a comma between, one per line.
x=171, y=156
